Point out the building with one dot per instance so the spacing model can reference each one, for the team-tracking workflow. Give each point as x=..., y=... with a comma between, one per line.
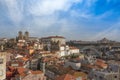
x=21, y=43
x=47, y=40
x=53, y=42
x=32, y=75
x=74, y=50
x=34, y=64
x=65, y=50
x=114, y=66
x=26, y=35
x=74, y=64
x=2, y=65
x=24, y=74
x=38, y=46
x=80, y=75
x=103, y=75
x=33, y=39
x=53, y=71
x=22, y=36
x=42, y=66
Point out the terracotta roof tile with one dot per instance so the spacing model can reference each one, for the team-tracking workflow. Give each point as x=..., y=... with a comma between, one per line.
x=24, y=59
x=90, y=66
x=65, y=77
x=80, y=74
x=11, y=68
x=101, y=64
x=21, y=70
x=36, y=72
x=8, y=73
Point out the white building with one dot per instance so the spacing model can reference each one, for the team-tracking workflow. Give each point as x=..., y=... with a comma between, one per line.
x=65, y=50
x=2, y=65
x=48, y=40
x=38, y=46
x=21, y=43
x=74, y=50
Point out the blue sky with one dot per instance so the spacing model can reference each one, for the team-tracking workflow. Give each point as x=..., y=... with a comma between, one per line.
x=74, y=19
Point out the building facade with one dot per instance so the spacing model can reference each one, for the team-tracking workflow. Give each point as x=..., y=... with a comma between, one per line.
x=53, y=42
x=2, y=65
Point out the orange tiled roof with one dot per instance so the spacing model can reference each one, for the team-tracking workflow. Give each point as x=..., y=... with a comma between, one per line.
x=8, y=73
x=46, y=59
x=24, y=58
x=90, y=66
x=23, y=74
x=65, y=77
x=80, y=74
x=101, y=64
x=36, y=72
x=11, y=68
x=100, y=60
x=21, y=70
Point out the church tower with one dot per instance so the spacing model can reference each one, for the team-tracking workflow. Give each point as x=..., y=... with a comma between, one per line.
x=20, y=35
x=26, y=35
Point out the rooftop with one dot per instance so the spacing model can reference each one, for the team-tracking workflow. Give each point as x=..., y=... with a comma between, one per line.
x=65, y=77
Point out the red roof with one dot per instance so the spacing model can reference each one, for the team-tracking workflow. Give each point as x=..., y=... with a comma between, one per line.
x=36, y=72
x=11, y=68
x=65, y=77
x=8, y=73
x=102, y=65
x=21, y=70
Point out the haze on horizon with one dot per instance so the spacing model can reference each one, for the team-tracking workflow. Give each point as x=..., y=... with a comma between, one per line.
x=73, y=19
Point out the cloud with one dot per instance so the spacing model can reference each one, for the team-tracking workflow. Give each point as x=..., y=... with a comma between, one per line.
x=110, y=33
x=45, y=17
x=49, y=7
x=37, y=12
x=80, y=14
x=92, y=9
x=104, y=15
x=89, y=3
x=85, y=10
x=44, y=14
x=14, y=12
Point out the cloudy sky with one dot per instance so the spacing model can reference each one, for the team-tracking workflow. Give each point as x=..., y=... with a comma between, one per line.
x=73, y=19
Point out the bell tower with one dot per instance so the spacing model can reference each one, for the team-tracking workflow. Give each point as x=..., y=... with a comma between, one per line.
x=20, y=35
x=26, y=35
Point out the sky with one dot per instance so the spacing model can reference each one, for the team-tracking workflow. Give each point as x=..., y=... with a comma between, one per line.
x=73, y=19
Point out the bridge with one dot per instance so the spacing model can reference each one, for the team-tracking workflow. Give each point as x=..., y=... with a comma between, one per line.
x=92, y=50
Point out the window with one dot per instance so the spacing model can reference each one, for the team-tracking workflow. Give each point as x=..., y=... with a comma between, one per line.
x=101, y=77
x=1, y=61
x=95, y=76
x=115, y=77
